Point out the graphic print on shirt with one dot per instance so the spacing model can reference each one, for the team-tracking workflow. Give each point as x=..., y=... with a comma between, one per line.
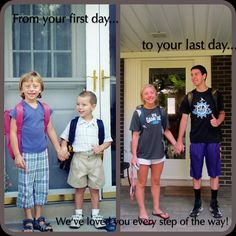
x=202, y=109
x=153, y=119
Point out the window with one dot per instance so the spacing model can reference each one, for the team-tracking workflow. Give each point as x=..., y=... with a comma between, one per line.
x=40, y=46
x=170, y=84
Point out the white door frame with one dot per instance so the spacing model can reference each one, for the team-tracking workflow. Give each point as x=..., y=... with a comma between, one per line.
x=98, y=64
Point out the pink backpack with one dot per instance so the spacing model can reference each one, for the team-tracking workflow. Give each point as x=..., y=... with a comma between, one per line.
x=19, y=124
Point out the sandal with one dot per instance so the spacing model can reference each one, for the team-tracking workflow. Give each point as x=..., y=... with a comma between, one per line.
x=41, y=225
x=28, y=225
x=146, y=221
x=162, y=215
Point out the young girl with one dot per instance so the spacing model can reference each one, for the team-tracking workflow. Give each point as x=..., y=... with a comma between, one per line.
x=32, y=161
x=148, y=149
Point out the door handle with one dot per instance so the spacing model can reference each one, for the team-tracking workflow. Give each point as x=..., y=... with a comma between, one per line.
x=94, y=77
x=103, y=77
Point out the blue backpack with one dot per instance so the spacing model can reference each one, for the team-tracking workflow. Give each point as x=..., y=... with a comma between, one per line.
x=65, y=165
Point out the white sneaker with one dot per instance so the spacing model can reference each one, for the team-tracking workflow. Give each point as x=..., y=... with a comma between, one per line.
x=98, y=221
x=76, y=221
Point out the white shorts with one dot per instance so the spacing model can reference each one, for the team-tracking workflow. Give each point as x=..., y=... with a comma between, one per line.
x=142, y=161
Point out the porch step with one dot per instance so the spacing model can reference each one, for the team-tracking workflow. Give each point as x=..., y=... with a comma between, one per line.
x=13, y=216
x=185, y=191
x=50, y=211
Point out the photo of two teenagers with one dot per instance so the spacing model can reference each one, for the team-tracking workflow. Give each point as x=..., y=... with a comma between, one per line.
x=117, y=118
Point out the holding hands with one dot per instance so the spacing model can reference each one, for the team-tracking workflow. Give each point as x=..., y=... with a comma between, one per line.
x=63, y=153
x=179, y=147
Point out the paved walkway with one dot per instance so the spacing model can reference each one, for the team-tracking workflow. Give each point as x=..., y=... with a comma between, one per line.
x=58, y=213
x=178, y=207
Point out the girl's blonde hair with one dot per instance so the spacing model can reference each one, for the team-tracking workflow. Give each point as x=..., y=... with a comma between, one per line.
x=148, y=86
x=32, y=76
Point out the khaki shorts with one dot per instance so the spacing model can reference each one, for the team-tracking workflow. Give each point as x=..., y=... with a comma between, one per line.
x=86, y=170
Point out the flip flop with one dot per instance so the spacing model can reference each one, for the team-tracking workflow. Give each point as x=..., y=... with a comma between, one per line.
x=146, y=221
x=161, y=215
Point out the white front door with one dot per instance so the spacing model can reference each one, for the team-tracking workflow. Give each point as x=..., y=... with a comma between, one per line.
x=98, y=77
x=172, y=77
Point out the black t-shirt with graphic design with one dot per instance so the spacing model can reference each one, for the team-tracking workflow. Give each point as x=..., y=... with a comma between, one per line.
x=202, y=108
x=150, y=143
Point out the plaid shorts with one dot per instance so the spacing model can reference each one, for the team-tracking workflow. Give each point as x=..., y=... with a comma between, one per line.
x=33, y=182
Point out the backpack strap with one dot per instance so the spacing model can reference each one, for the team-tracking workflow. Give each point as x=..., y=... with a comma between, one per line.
x=19, y=122
x=19, y=117
x=141, y=117
x=214, y=93
x=101, y=131
x=46, y=115
x=163, y=118
x=72, y=130
x=190, y=98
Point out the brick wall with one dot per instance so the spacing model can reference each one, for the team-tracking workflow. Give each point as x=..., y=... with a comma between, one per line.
x=221, y=79
x=122, y=112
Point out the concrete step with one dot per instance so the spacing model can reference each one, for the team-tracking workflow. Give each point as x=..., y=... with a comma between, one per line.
x=53, y=212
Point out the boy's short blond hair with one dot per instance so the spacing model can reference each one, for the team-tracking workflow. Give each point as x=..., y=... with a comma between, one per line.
x=91, y=95
x=31, y=76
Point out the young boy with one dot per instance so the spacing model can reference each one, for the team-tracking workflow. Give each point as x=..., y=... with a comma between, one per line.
x=207, y=114
x=86, y=166
x=32, y=161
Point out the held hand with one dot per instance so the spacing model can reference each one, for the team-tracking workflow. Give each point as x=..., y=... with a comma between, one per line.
x=97, y=149
x=19, y=162
x=214, y=121
x=179, y=147
x=63, y=154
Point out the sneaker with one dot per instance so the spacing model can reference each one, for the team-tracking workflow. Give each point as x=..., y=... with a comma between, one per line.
x=215, y=210
x=110, y=224
x=99, y=221
x=76, y=221
x=196, y=209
